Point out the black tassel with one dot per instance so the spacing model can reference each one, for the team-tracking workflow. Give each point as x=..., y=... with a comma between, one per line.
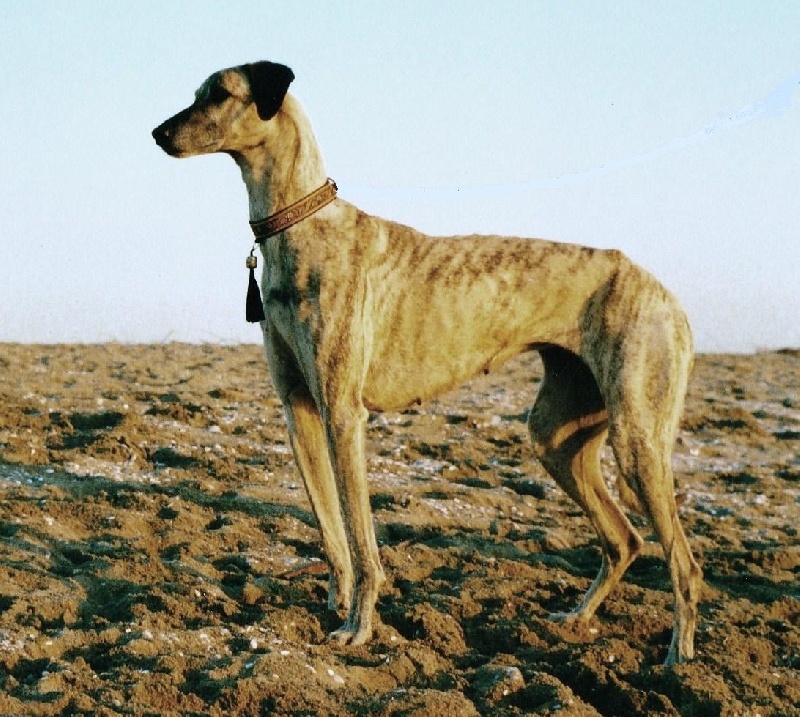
x=254, y=309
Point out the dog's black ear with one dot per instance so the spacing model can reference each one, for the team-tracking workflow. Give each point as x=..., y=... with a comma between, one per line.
x=269, y=82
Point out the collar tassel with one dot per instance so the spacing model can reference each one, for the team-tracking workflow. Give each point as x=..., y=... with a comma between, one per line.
x=254, y=307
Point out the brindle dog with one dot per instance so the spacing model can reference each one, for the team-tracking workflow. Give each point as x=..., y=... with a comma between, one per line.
x=363, y=314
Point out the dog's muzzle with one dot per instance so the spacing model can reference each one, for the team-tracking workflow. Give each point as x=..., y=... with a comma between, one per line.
x=169, y=129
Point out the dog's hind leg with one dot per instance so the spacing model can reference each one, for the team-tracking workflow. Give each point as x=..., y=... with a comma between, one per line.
x=568, y=425
x=310, y=448
x=642, y=436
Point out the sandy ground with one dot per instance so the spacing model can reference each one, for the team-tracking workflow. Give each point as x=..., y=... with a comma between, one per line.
x=158, y=555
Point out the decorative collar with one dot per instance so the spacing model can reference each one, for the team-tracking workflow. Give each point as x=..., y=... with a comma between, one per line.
x=294, y=213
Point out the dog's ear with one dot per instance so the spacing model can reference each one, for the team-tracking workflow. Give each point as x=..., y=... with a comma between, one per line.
x=269, y=82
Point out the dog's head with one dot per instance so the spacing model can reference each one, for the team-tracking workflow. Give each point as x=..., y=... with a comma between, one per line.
x=226, y=110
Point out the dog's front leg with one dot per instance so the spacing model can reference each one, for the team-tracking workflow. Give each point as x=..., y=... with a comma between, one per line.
x=309, y=445
x=347, y=425
x=309, y=440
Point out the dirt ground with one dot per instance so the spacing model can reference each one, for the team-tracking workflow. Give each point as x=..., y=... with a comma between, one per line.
x=158, y=555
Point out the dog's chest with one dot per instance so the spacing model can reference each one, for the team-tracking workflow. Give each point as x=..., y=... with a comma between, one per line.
x=292, y=289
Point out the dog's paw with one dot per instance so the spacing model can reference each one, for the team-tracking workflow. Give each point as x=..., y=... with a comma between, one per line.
x=349, y=634
x=567, y=618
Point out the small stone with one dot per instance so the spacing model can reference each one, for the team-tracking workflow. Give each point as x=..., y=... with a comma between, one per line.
x=494, y=682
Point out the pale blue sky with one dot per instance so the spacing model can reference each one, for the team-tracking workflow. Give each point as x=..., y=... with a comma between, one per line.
x=670, y=130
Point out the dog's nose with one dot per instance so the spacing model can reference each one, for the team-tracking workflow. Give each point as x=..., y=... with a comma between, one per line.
x=160, y=135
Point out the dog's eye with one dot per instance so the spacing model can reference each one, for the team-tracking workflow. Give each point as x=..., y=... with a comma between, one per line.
x=218, y=94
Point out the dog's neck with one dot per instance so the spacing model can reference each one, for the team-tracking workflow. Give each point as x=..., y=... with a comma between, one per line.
x=276, y=180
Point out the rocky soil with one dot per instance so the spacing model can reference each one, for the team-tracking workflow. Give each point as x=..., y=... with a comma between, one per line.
x=158, y=555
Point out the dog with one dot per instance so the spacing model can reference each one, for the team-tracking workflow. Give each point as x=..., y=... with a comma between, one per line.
x=363, y=314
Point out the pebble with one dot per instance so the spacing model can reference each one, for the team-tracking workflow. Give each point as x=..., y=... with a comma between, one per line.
x=338, y=679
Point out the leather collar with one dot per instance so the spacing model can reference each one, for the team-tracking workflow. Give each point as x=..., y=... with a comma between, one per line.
x=294, y=213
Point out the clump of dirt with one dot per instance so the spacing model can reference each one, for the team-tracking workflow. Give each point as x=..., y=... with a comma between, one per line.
x=158, y=554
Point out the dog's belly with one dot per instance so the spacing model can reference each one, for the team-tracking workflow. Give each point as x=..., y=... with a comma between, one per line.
x=393, y=384
x=432, y=342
